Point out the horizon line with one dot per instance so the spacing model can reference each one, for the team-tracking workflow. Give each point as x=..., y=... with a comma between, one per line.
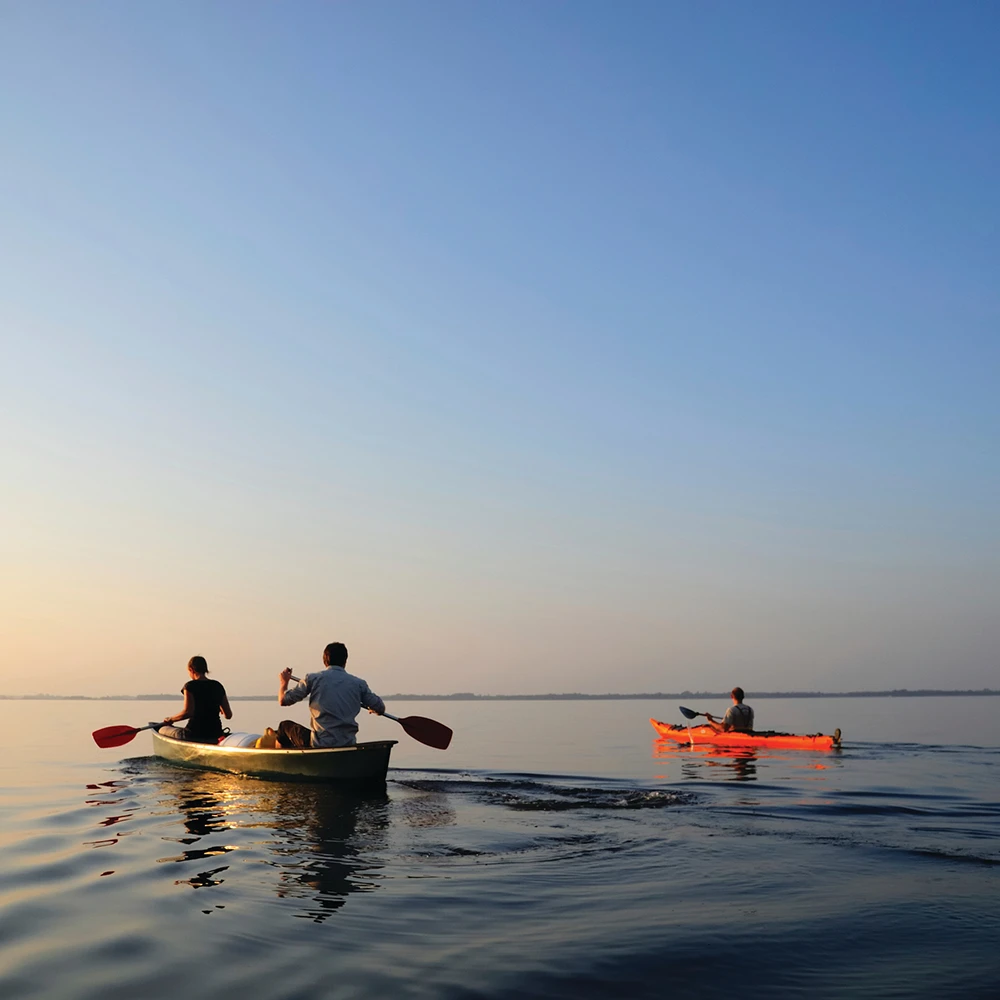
x=568, y=696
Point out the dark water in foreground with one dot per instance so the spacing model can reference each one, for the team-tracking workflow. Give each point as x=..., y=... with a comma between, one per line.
x=580, y=858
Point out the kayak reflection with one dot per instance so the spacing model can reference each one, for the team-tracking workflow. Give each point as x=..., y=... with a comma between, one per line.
x=740, y=763
x=735, y=763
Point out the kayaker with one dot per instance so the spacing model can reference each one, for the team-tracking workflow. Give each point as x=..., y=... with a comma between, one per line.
x=738, y=717
x=335, y=699
x=204, y=700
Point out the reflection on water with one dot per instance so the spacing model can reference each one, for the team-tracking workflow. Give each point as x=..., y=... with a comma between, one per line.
x=111, y=795
x=718, y=763
x=329, y=839
x=701, y=761
x=202, y=805
x=736, y=763
x=202, y=800
x=320, y=842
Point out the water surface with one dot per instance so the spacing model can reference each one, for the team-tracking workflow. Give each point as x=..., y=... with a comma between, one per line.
x=557, y=849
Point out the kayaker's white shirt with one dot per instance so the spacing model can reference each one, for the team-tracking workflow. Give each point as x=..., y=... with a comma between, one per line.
x=740, y=718
x=335, y=698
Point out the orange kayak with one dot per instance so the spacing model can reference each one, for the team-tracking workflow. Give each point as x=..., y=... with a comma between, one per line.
x=700, y=735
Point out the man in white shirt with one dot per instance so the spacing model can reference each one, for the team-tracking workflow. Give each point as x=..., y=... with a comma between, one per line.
x=739, y=717
x=335, y=699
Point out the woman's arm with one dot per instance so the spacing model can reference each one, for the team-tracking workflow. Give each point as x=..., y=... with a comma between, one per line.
x=185, y=711
x=226, y=710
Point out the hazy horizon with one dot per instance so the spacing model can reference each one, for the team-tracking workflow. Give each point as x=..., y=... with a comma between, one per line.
x=554, y=696
x=522, y=348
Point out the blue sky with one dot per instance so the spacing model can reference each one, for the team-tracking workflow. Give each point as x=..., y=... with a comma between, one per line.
x=523, y=347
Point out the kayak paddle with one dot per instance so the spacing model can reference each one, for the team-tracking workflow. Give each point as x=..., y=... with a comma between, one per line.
x=689, y=714
x=116, y=736
x=426, y=731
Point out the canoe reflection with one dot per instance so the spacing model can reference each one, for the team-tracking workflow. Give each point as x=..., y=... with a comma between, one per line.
x=203, y=804
x=320, y=841
x=330, y=839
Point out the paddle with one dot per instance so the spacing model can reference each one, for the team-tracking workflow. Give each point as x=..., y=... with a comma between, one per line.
x=426, y=731
x=116, y=736
x=689, y=714
x=433, y=734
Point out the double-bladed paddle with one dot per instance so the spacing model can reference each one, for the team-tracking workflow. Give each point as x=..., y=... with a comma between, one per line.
x=426, y=731
x=689, y=714
x=116, y=736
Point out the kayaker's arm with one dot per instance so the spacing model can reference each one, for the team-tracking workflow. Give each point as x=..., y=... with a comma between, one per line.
x=224, y=705
x=719, y=727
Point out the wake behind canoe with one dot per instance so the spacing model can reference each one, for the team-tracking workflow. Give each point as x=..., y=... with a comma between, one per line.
x=706, y=735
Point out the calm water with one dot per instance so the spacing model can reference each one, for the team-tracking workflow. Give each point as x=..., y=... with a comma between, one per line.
x=557, y=850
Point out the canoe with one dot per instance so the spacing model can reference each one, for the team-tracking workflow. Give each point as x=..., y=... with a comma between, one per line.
x=361, y=763
x=706, y=735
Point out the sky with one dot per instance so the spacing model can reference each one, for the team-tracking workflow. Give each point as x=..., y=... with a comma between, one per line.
x=523, y=347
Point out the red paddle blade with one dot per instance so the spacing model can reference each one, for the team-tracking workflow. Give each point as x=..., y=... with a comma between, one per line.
x=114, y=736
x=434, y=734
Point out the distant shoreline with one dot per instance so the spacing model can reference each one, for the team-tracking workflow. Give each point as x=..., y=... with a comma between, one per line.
x=468, y=696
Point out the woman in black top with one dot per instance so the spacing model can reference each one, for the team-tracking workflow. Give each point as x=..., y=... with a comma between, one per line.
x=204, y=699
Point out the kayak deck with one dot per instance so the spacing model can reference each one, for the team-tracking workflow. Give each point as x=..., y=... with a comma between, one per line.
x=699, y=735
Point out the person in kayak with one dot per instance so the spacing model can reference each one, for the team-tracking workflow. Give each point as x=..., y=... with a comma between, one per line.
x=335, y=698
x=739, y=717
x=204, y=700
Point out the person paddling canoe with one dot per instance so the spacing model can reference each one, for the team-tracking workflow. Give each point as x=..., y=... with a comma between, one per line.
x=739, y=717
x=335, y=698
x=204, y=700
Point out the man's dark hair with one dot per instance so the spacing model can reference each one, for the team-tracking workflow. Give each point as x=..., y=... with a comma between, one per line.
x=335, y=654
x=738, y=694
